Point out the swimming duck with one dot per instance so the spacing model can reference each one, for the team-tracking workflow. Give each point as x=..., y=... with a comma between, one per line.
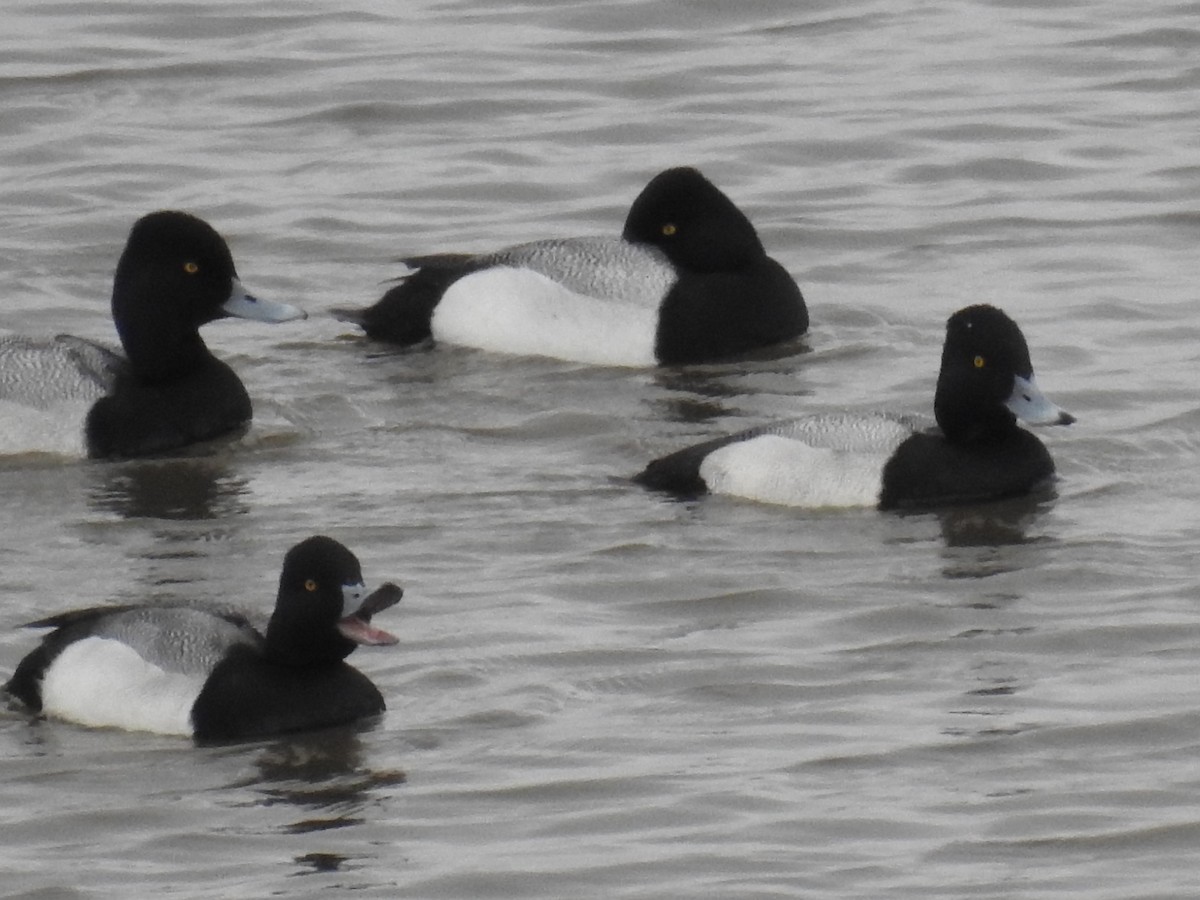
x=207, y=673
x=976, y=451
x=166, y=390
x=688, y=281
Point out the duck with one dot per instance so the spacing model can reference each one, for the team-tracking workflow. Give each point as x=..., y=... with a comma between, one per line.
x=688, y=281
x=164, y=390
x=974, y=451
x=205, y=672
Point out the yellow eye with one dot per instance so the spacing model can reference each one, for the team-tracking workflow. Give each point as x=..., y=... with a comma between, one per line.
x=668, y=230
x=980, y=362
x=191, y=268
x=310, y=585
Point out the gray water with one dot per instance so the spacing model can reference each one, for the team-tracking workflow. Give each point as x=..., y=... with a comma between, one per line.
x=600, y=692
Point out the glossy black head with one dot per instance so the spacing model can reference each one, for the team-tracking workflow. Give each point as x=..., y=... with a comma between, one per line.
x=318, y=576
x=984, y=352
x=173, y=276
x=700, y=229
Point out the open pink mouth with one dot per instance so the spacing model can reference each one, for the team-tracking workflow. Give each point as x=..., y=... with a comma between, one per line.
x=357, y=626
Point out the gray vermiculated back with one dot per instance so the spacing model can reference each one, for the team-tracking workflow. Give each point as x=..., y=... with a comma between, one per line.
x=596, y=266
x=864, y=433
x=178, y=639
x=40, y=372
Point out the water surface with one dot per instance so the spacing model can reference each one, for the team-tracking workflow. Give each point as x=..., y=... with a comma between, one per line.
x=599, y=691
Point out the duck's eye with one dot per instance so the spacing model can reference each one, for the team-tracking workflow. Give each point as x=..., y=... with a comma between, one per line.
x=980, y=362
x=668, y=229
x=310, y=585
x=190, y=267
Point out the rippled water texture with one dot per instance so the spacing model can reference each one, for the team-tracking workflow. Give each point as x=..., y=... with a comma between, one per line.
x=600, y=692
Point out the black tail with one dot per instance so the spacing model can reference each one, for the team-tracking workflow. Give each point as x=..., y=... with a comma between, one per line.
x=26, y=682
x=679, y=472
x=403, y=315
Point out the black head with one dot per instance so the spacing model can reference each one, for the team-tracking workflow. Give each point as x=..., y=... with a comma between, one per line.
x=319, y=575
x=986, y=373
x=173, y=277
x=700, y=229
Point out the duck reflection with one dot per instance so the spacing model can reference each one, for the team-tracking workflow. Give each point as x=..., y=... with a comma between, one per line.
x=990, y=538
x=998, y=523
x=174, y=489
x=699, y=395
x=322, y=773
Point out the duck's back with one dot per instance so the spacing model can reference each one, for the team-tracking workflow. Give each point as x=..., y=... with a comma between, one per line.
x=602, y=267
x=42, y=372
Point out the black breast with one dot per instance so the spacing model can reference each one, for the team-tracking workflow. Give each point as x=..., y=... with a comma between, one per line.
x=248, y=697
x=710, y=316
x=140, y=419
x=927, y=470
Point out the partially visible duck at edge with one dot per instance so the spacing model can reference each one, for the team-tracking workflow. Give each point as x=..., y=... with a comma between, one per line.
x=977, y=452
x=206, y=673
x=166, y=390
x=688, y=281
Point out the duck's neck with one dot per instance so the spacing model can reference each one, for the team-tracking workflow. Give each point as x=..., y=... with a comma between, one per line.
x=964, y=421
x=291, y=643
x=162, y=348
x=159, y=357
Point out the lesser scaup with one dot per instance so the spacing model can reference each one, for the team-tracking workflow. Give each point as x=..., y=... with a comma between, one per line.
x=167, y=390
x=207, y=673
x=688, y=281
x=977, y=451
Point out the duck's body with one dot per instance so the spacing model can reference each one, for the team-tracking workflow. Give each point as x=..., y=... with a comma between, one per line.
x=688, y=281
x=975, y=452
x=207, y=673
x=587, y=299
x=165, y=390
x=136, y=668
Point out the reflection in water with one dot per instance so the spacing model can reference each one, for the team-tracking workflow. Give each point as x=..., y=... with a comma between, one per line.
x=322, y=862
x=984, y=540
x=321, y=772
x=698, y=394
x=996, y=524
x=176, y=489
x=688, y=410
x=988, y=539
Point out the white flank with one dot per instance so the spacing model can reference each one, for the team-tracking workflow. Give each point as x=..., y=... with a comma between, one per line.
x=57, y=430
x=104, y=683
x=507, y=310
x=775, y=469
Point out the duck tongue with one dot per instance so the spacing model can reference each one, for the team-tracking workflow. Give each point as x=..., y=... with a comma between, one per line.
x=357, y=626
